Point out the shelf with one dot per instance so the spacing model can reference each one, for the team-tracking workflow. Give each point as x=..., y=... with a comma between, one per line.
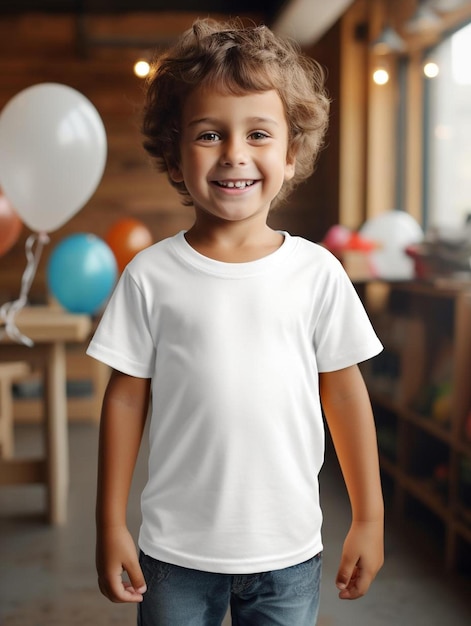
x=424, y=423
x=464, y=446
x=384, y=400
x=421, y=396
x=423, y=492
x=388, y=466
x=465, y=515
x=432, y=289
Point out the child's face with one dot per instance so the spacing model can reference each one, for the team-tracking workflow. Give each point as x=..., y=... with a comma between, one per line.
x=233, y=153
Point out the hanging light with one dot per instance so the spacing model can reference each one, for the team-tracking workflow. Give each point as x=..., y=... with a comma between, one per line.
x=423, y=19
x=381, y=71
x=381, y=76
x=388, y=42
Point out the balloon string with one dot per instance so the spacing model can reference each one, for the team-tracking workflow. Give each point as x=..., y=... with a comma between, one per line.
x=33, y=247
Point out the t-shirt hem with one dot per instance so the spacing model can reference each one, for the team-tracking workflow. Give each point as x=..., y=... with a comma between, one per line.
x=217, y=566
x=348, y=360
x=116, y=361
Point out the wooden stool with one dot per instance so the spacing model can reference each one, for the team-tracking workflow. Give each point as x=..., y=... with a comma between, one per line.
x=9, y=372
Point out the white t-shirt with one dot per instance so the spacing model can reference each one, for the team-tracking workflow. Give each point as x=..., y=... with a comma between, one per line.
x=237, y=436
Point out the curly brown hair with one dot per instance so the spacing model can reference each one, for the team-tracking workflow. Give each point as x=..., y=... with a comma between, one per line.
x=237, y=60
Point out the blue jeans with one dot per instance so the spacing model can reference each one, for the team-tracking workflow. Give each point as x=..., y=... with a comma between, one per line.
x=177, y=596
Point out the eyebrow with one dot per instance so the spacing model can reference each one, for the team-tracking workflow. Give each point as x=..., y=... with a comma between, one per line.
x=216, y=121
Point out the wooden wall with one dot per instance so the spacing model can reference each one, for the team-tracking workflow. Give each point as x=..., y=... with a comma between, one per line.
x=37, y=48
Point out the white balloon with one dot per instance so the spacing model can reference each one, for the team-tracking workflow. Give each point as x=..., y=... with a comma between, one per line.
x=52, y=154
x=393, y=231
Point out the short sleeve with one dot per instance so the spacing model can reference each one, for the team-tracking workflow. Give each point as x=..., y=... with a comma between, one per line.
x=343, y=334
x=123, y=339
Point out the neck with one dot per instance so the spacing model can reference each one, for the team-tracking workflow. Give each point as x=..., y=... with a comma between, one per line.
x=234, y=243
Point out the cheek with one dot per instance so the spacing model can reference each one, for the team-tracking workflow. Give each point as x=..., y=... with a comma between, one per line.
x=280, y=163
x=187, y=168
x=196, y=161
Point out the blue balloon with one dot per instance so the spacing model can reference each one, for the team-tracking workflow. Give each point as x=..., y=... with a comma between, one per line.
x=81, y=273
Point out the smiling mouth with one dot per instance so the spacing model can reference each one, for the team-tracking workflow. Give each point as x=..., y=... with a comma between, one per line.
x=235, y=184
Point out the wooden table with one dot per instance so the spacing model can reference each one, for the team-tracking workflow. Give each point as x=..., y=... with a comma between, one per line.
x=50, y=328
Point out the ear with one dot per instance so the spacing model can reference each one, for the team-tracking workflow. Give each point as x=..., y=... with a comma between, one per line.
x=175, y=174
x=173, y=168
x=290, y=167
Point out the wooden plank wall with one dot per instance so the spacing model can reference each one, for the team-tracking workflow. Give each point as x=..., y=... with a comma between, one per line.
x=36, y=48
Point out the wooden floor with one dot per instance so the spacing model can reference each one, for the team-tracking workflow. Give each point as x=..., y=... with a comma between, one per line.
x=47, y=575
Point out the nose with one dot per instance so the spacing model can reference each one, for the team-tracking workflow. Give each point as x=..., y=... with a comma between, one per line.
x=234, y=152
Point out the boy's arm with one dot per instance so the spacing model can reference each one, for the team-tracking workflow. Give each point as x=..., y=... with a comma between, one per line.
x=123, y=417
x=350, y=419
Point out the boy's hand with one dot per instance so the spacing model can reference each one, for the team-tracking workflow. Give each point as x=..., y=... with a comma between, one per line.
x=362, y=558
x=115, y=554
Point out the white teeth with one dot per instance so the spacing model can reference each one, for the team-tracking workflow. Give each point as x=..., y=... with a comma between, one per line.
x=239, y=184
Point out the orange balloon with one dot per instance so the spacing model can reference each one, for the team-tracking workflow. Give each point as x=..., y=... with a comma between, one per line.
x=126, y=238
x=10, y=225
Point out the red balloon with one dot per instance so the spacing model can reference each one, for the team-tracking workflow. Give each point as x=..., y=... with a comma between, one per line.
x=10, y=225
x=337, y=238
x=126, y=238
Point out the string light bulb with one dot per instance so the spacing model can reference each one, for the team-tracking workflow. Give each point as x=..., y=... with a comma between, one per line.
x=431, y=69
x=381, y=76
x=141, y=68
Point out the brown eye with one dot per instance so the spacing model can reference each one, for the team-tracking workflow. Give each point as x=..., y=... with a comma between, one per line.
x=209, y=137
x=258, y=135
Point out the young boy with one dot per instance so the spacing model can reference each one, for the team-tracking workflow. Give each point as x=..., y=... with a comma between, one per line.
x=237, y=332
